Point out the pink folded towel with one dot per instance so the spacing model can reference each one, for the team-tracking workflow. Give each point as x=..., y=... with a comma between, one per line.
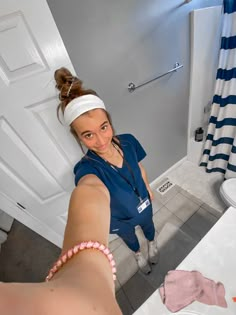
x=181, y=288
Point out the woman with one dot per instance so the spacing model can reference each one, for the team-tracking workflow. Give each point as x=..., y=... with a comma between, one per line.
x=113, y=159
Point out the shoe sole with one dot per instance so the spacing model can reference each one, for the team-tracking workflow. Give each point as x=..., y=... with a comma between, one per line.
x=146, y=269
x=154, y=260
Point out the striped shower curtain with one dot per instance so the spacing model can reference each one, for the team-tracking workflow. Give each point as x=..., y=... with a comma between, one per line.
x=219, y=153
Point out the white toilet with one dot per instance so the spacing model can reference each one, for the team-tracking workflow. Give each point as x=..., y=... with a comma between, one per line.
x=228, y=192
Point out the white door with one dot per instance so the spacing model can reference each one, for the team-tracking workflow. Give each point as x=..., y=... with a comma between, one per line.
x=37, y=153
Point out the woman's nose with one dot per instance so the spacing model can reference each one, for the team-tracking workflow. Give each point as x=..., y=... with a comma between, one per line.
x=100, y=140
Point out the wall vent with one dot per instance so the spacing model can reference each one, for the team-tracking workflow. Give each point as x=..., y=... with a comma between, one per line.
x=164, y=187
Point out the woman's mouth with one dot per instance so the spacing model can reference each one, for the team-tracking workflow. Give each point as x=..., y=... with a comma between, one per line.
x=102, y=148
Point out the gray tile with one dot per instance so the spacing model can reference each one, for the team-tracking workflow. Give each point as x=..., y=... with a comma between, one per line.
x=181, y=173
x=191, y=197
x=171, y=234
x=117, y=285
x=217, y=204
x=156, y=202
x=215, y=212
x=124, y=303
x=201, y=222
x=115, y=244
x=212, y=198
x=156, y=277
x=164, y=216
x=125, y=263
x=175, y=246
x=137, y=290
x=190, y=232
x=164, y=198
x=182, y=207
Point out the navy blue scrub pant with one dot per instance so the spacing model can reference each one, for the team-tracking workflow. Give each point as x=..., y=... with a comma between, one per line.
x=127, y=232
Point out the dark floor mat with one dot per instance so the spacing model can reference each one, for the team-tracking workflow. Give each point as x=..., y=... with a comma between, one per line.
x=26, y=256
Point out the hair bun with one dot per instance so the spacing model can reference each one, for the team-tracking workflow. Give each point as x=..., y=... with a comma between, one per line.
x=63, y=76
x=69, y=86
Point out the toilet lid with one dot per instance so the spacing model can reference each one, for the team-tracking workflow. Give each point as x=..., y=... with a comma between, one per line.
x=229, y=190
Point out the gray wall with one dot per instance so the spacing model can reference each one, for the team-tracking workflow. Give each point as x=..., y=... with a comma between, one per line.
x=112, y=43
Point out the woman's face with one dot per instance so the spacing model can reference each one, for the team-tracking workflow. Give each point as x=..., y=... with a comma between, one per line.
x=94, y=130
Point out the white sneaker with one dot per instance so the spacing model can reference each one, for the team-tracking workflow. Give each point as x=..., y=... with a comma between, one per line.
x=153, y=252
x=142, y=263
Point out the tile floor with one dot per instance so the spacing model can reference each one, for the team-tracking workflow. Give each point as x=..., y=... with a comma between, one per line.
x=182, y=216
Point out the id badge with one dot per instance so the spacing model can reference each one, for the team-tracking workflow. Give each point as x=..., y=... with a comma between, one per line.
x=143, y=205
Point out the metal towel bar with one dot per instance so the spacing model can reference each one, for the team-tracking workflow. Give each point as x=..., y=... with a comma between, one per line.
x=132, y=86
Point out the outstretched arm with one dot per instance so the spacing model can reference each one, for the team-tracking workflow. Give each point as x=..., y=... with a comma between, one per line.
x=89, y=219
x=89, y=213
x=84, y=285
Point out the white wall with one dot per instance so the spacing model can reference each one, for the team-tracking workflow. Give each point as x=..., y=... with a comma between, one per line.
x=114, y=42
x=205, y=44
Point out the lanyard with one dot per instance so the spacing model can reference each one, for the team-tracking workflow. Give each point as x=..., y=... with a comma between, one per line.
x=135, y=189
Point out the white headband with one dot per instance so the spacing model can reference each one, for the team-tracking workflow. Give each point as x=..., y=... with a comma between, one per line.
x=80, y=105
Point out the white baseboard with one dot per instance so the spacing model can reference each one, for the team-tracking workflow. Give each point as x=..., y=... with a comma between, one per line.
x=167, y=172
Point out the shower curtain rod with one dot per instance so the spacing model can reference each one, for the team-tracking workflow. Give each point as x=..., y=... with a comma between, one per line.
x=132, y=86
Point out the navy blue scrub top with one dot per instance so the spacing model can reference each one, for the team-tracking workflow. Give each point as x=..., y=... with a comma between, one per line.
x=123, y=199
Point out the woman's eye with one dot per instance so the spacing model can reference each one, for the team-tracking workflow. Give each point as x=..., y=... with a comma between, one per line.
x=88, y=136
x=104, y=127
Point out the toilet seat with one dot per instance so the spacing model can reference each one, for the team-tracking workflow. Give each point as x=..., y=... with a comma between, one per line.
x=228, y=191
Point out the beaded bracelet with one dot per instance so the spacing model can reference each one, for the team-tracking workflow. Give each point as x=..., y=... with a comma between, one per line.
x=81, y=246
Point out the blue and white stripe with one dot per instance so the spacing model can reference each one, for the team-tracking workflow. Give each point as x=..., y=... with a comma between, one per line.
x=219, y=153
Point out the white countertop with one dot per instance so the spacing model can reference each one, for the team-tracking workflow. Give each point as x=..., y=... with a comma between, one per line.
x=215, y=257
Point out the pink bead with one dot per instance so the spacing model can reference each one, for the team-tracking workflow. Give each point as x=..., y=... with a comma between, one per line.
x=50, y=275
x=54, y=269
x=96, y=245
x=70, y=253
x=110, y=256
x=89, y=244
x=113, y=263
x=59, y=263
x=102, y=247
x=113, y=269
x=114, y=277
x=64, y=258
x=82, y=246
x=106, y=251
x=75, y=250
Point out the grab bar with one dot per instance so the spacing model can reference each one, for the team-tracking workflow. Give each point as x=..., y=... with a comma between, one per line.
x=132, y=86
